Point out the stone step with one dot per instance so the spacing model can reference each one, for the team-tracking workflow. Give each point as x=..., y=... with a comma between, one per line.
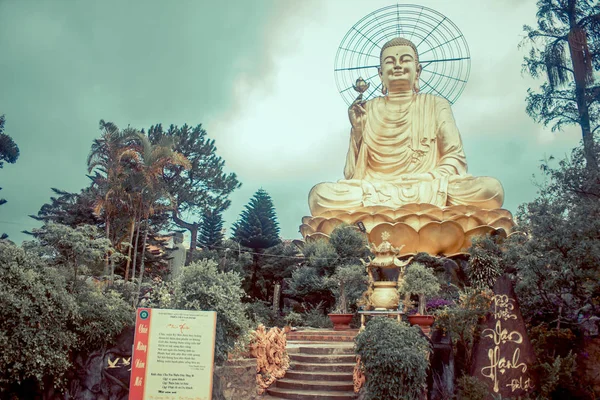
x=329, y=386
x=310, y=394
x=319, y=376
x=323, y=335
x=326, y=350
x=316, y=367
x=323, y=358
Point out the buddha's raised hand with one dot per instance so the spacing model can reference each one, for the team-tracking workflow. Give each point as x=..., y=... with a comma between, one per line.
x=357, y=114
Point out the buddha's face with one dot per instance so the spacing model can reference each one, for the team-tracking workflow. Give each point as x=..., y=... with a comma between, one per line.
x=399, y=68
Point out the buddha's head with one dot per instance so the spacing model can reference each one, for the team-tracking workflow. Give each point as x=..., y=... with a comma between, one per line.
x=399, y=69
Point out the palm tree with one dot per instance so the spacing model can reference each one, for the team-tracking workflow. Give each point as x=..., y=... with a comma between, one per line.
x=109, y=174
x=150, y=162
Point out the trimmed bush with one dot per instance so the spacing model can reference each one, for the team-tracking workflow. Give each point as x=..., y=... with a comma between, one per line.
x=394, y=356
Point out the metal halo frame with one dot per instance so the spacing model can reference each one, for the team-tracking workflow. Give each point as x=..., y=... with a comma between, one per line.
x=443, y=51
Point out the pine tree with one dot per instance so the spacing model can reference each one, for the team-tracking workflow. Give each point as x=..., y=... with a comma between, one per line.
x=258, y=229
x=211, y=229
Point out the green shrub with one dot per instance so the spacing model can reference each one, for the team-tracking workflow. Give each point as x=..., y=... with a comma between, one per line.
x=201, y=287
x=320, y=255
x=420, y=280
x=294, y=319
x=471, y=388
x=394, y=356
x=348, y=284
x=261, y=312
x=349, y=243
x=35, y=310
x=101, y=316
x=462, y=323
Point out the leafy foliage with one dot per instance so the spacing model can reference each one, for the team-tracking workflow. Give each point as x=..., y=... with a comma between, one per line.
x=35, y=309
x=557, y=267
x=349, y=243
x=462, y=323
x=9, y=151
x=348, y=283
x=485, y=263
x=320, y=255
x=44, y=322
x=202, y=287
x=420, y=280
x=81, y=249
x=394, y=357
x=565, y=48
x=203, y=187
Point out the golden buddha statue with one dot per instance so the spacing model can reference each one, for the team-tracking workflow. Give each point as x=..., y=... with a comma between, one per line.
x=405, y=148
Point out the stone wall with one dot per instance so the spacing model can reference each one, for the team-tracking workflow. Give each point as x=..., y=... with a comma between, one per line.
x=236, y=380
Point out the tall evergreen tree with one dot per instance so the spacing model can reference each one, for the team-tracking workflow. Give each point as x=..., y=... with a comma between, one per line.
x=9, y=151
x=203, y=186
x=566, y=50
x=211, y=230
x=258, y=229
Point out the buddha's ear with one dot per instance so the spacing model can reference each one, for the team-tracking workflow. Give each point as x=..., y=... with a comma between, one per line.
x=419, y=69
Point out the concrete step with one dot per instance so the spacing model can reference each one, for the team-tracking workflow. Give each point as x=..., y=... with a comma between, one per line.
x=310, y=394
x=324, y=358
x=326, y=349
x=322, y=335
x=316, y=367
x=329, y=386
x=319, y=376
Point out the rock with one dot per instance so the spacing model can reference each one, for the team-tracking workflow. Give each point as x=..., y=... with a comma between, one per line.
x=503, y=356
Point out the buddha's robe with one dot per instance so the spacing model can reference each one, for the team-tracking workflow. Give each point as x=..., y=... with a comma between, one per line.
x=421, y=137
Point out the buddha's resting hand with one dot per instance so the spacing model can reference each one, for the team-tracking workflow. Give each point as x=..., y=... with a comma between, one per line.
x=409, y=178
x=357, y=114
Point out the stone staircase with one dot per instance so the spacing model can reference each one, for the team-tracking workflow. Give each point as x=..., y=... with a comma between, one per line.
x=319, y=369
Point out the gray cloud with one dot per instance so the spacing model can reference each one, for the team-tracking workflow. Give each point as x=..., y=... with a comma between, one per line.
x=257, y=74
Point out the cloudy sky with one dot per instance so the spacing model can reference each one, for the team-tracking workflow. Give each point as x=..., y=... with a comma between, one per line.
x=257, y=74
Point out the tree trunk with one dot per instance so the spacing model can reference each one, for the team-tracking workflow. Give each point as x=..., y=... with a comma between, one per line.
x=135, y=247
x=421, y=304
x=131, y=232
x=253, y=277
x=142, y=268
x=107, y=232
x=193, y=228
x=580, y=52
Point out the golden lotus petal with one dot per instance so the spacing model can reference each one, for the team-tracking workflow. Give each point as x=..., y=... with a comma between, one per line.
x=306, y=229
x=441, y=237
x=316, y=236
x=419, y=207
x=467, y=222
x=356, y=216
x=416, y=221
x=504, y=223
x=503, y=213
x=331, y=213
x=329, y=225
x=487, y=216
x=400, y=234
x=370, y=221
x=374, y=210
x=475, y=232
x=437, y=214
x=315, y=222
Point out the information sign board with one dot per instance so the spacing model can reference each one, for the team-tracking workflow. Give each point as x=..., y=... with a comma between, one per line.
x=173, y=355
